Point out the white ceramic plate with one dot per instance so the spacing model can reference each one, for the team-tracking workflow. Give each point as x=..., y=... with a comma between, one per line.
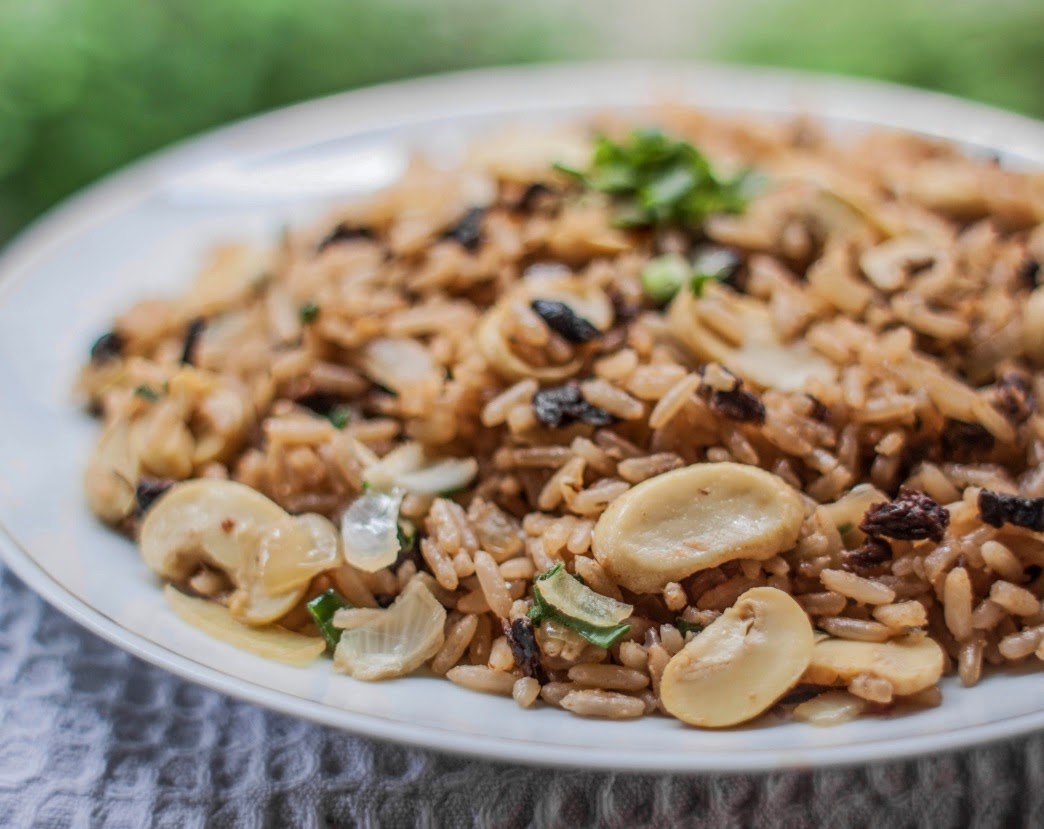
x=142, y=232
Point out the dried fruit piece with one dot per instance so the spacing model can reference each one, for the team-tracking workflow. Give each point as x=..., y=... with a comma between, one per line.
x=561, y=405
x=998, y=509
x=468, y=231
x=910, y=517
x=564, y=321
x=109, y=346
x=524, y=648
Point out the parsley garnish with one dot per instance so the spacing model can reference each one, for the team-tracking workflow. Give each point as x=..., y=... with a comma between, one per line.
x=339, y=416
x=687, y=627
x=146, y=392
x=308, y=312
x=656, y=180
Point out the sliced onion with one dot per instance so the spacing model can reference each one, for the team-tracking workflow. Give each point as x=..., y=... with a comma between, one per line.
x=398, y=640
x=294, y=551
x=571, y=598
x=384, y=473
x=269, y=642
x=401, y=364
x=441, y=477
x=370, y=530
x=830, y=708
x=497, y=352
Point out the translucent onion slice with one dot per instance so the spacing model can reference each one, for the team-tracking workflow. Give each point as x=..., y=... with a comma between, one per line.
x=571, y=598
x=442, y=477
x=369, y=528
x=269, y=642
x=395, y=641
x=294, y=551
x=402, y=365
x=497, y=352
x=383, y=473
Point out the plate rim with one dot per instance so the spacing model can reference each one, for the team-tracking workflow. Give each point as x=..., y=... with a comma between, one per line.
x=134, y=183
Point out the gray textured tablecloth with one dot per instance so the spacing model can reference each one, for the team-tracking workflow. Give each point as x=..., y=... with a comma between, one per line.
x=92, y=737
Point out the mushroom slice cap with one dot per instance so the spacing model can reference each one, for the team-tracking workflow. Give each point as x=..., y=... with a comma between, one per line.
x=269, y=642
x=675, y=524
x=395, y=641
x=743, y=662
x=205, y=520
x=911, y=663
x=111, y=473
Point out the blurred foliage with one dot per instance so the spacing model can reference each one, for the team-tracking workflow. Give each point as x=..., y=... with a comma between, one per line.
x=991, y=50
x=86, y=85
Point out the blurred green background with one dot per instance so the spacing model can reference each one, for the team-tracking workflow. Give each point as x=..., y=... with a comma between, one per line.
x=87, y=85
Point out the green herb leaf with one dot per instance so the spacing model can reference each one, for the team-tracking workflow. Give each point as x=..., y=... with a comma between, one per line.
x=663, y=276
x=146, y=393
x=656, y=180
x=407, y=532
x=687, y=627
x=603, y=637
x=712, y=265
x=308, y=312
x=339, y=416
x=322, y=609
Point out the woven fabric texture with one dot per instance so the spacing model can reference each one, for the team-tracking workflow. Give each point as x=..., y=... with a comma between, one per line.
x=92, y=737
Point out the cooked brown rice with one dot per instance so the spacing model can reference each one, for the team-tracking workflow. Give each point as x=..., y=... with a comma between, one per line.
x=886, y=287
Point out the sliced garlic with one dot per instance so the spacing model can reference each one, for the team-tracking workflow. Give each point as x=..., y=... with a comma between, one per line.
x=911, y=664
x=743, y=662
x=736, y=331
x=269, y=642
x=672, y=525
x=395, y=641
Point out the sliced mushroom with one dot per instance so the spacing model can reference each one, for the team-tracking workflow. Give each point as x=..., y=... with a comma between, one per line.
x=743, y=662
x=910, y=664
x=670, y=526
x=269, y=642
x=736, y=331
x=392, y=642
x=235, y=529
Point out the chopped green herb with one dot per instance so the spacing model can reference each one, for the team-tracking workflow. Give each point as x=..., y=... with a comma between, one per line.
x=663, y=276
x=146, y=393
x=308, y=312
x=687, y=627
x=602, y=636
x=656, y=180
x=407, y=532
x=339, y=416
x=322, y=609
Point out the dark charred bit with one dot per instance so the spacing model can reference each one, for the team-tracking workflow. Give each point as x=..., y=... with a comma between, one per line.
x=524, y=647
x=468, y=231
x=738, y=404
x=147, y=491
x=818, y=410
x=869, y=559
x=192, y=335
x=1013, y=397
x=912, y=516
x=802, y=693
x=320, y=402
x=564, y=321
x=561, y=405
x=998, y=509
x=962, y=441
x=343, y=233
x=1029, y=272
x=109, y=346
x=535, y=196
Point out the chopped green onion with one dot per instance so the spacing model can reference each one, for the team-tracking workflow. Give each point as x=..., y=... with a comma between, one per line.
x=339, y=416
x=322, y=609
x=146, y=393
x=407, y=533
x=659, y=181
x=687, y=627
x=663, y=276
x=565, y=595
x=308, y=312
